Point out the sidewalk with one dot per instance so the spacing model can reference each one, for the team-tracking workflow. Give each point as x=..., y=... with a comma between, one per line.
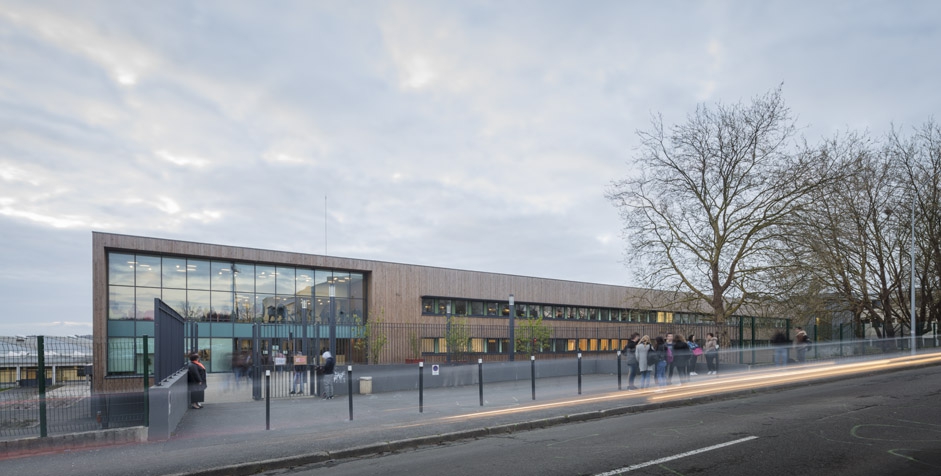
x=308, y=429
x=231, y=438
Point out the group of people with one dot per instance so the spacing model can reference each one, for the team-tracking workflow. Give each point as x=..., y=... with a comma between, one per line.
x=656, y=359
x=196, y=377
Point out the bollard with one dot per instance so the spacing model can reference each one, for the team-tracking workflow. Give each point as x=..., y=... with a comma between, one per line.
x=480, y=379
x=267, y=399
x=349, y=379
x=421, y=387
x=619, y=370
x=532, y=360
x=579, y=373
x=146, y=385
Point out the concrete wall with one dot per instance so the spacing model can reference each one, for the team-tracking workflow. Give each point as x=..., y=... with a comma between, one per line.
x=169, y=401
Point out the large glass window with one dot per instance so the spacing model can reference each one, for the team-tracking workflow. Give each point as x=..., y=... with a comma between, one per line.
x=197, y=274
x=121, y=302
x=174, y=273
x=198, y=305
x=244, y=277
x=357, y=286
x=285, y=280
x=222, y=306
x=223, y=276
x=265, y=279
x=121, y=269
x=305, y=282
x=145, y=303
x=148, y=271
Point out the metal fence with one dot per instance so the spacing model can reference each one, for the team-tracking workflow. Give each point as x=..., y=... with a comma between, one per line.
x=45, y=386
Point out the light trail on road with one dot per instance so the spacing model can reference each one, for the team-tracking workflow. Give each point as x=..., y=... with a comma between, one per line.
x=720, y=385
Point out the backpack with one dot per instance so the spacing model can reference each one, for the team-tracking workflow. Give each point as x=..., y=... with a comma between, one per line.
x=653, y=357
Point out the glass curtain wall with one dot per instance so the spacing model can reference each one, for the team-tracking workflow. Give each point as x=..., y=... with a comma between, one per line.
x=224, y=298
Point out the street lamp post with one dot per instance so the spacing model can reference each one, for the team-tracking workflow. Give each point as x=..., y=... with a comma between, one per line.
x=448, y=340
x=914, y=327
x=512, y=329
x=333, y=319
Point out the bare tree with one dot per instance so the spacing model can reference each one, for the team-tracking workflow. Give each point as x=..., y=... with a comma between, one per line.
x=920, y=157
x=704, y=213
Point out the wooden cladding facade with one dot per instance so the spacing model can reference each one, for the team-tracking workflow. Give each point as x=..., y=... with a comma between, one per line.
x=395, y=290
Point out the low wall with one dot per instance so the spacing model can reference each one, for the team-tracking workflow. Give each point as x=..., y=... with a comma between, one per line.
x=169, y=401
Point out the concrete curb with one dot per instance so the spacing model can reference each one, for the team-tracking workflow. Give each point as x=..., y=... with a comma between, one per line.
x=72, y=441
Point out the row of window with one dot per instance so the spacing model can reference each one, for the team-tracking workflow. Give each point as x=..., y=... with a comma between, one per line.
x=477, y=345
x=135, y=303
x=471, y=308
x=167, y=272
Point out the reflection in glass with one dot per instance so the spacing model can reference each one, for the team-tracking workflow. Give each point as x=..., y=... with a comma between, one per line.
x=285, y=280
x=145, y=303
x=245, y=307
x=223, y=277
x=197, y=305
x=121, y=269
x=120, y=302
x=305, y=282
x=197, y=274
x=148, y=271
x=244, y=277
x=357, y=286
x=222, y=306
x=265, y=279
x=176, y=299
x=174, y=273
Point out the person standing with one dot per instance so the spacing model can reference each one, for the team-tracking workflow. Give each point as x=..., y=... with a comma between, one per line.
x=695, y=352
x=643, y=361
x=300, y=373
x=669, y=358
x=712, y=354
x=328, y=364
x=660, y=354
x=196, y=381
x=633, y=368
x=681, y=355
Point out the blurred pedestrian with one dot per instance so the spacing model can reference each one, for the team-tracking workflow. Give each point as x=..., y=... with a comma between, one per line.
x=780, y=344
x=681, y=355
x=633, y=369
x=801, y=345
x=328, y=364
x=712, y=353
x=660, y=351
x=695, y=352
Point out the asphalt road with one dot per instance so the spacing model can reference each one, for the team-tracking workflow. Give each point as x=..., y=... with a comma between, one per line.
x=887, y=424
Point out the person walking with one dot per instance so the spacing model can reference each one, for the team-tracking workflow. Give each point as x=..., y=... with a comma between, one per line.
x=712, y=354
x=196, y=381
x=328, y=364
x=801, y=345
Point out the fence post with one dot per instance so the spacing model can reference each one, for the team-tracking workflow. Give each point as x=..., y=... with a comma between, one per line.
x=532, y=360
x=41, y=382
x=146, y=385
x=480, y=379
x=267, y=399
x=619, y=367
x=579, y=373
x=349, y=379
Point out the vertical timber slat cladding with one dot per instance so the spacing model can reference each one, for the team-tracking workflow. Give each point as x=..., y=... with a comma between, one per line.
x=395, y=290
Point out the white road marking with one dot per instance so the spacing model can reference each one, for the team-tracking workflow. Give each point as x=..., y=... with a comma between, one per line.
x=671, y=458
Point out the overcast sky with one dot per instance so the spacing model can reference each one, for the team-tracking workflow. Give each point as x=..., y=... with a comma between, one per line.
x=475, y=135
